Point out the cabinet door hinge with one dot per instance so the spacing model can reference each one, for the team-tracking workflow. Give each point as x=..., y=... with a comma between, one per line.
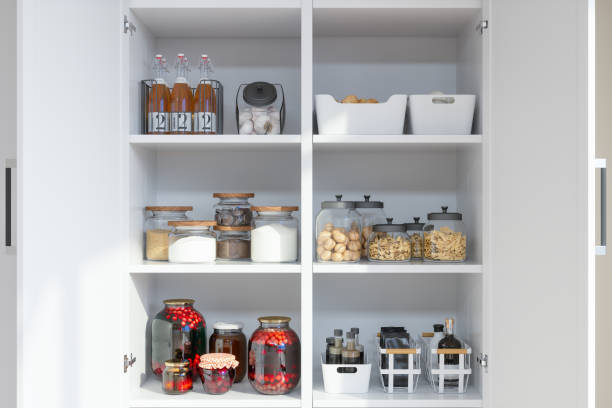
x=483, y=360
x=128, y=362
x=482, y=25
x=128, y=26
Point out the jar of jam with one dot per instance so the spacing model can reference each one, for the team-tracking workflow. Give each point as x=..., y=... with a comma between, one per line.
x=217, y=371
x=229, y=338
x=178, y=333
x=177, y=377
x=233, y=209
x=233, y=243
x=274, y=356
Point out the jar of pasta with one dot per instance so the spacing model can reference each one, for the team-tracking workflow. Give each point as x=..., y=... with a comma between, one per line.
x=445, y=239
x=371, y=213
x=415, y=235
x=389, y=243
x=156, y=229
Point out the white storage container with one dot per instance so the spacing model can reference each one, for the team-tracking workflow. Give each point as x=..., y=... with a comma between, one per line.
x=412, y=372
x=346, y=378
x=441, y=114
x=385, y=118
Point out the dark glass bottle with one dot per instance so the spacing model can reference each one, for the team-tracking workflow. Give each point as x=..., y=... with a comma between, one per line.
x=451, y=361
x=329, y=342
x=358, y=345
x=350, y=355
x=335, y=351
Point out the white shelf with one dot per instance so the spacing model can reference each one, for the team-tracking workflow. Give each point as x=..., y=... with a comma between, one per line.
x=242, y=143
x=151, y=267
x=397, y=4
x=368, y=143
x=405, y=268
x=150, y=395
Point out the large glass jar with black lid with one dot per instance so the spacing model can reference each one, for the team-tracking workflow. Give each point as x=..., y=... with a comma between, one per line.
x=389, y=243
x=445, y=239
x=233, y=209
x=338, y=230
x=371, y=212
x=415, y=234
x=229, y=338
x=156, y=229
x=274, y=356
x=178, y=332
x=260, y=109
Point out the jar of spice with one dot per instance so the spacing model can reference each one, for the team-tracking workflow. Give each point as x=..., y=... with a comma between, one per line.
x=217, y=371
x=233, y=209
x=229, y=338
x=176, y=377
x=274, y=237
x=233, y=242
x=178, y=332
x=156, y=229
x=192, y=242
x=371, y=213
x=444, y=237
x=389, y=243
x=338, y=231
x=415, y=234
x=274, y=356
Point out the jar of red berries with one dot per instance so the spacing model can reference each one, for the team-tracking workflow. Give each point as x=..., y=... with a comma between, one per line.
x=217, y=371
x=274, y=356
x=178, y=333
x=177, y=377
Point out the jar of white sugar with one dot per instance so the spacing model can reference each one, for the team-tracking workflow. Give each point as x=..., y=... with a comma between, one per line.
x=192, y=242
x=274, y=237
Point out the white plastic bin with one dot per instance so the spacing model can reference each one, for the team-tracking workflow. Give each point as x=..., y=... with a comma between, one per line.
x=441, y=114
x=346, y=378
x=385, y=118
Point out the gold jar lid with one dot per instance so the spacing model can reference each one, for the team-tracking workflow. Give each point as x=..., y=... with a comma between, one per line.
x=274, y=319
x=174, y=302
x=177, y=363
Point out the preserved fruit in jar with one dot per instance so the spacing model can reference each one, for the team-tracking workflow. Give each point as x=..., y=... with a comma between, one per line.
x=217, y=371
x=177, y=377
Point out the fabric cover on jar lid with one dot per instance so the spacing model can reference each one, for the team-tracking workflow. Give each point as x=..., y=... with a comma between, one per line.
x=366, y=203
x=215, y=361
x=228, y=326
x=259, y=93
x=338, y=204
x=445, y=215
x=416, y=225
x=389, y=227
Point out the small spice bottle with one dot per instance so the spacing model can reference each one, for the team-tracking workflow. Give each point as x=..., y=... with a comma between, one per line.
x=217, y=371
x=335, y=351
x=156, y=229
x=177, y=377
x=415, y=234
x=233, y=242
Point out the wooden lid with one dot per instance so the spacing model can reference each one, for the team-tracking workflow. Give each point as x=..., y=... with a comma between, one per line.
x=277, y=208
x=192, y=223
x=233, y=195
x=228, y=228
x=169, y=208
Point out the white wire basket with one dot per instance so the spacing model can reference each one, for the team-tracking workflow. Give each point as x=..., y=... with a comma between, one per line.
x=442, y=377
x=392, y=377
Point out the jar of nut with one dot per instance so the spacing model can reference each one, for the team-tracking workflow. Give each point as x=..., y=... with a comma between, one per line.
x=371, y=213
x=444, y=237
x=415, y=233
x=338, y=232
x=389, y=243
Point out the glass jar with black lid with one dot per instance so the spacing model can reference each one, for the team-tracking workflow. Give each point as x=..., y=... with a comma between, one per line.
x=389, y=243
x=338, y=229
x=415, y=234
x=445, y=239
x=372, y=213
x=260, y=108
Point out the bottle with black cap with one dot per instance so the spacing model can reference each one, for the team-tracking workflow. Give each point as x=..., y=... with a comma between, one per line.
x=372, y=213
x=335, y=351
x=449, y=341
x=329, y=342
x=350, y=355
x=359, y=346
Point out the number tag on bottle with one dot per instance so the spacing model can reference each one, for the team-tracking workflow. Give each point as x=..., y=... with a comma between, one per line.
x=181, y=122
x=206, y=122
x=158, y=122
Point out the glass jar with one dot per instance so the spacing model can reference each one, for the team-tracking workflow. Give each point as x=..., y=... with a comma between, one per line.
x=445, y=239
x=233, y=209
x=176, y=378
x=229, y=338
x=371, y=213
x=274, y=237
x=156, y=229
x=217, y=371
x=274, y=356
x=259, y=110
x=233, y=242
x=389, y=243
x=178, y=332
x=338, y=231
x=192, y=242
x=415, y=233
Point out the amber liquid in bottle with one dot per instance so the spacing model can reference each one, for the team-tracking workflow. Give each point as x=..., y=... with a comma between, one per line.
x=205, y=101
x=158, y=108
x=181, y=99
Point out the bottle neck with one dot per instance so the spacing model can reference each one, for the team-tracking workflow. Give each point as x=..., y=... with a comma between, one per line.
x=338, y=342
x=274, y=325
x=350, y=344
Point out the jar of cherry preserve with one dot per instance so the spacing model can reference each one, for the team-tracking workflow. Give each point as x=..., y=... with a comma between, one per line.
x=178, y=333
x=274, y=356
x=177, y=377
x=217, y=371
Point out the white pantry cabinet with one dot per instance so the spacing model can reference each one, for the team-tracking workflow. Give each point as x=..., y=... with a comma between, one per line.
x=87, y=170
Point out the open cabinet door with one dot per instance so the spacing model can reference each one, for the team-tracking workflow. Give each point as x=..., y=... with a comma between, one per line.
x=69, y=195
x=538, y=254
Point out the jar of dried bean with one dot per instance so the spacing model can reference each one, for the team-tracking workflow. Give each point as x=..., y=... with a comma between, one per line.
x=156, y=229
x=233, y=209
x=338, y=232
x=389, y=243
x=445, y=239
x=176, y=378
x=371, y=213
x=415, y=234
x=233, y=243
x=274, y=356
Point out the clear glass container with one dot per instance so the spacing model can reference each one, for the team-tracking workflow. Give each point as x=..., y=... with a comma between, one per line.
x=156, y=229
x=217, y=371
x=415, y=233
x=389, y=243
x=260, y=109
x=229, y=338
x=274, y=356
x=233, y=242
x=178, y=332
x=338, y=232
x=233, y=209
x=192, y=242
x=274, y=237
x=176, y=378
x=445, y=239
x=371, y=212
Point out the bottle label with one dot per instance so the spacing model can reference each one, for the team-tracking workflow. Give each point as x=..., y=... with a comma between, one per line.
x=180, y=122
x=158, y=122
x=205, y=122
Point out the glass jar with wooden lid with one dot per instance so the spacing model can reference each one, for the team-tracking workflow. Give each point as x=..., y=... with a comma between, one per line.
x=233, y=209
x=156, y=229
x=274, y=237
x=192, y=242
x=233, y=243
